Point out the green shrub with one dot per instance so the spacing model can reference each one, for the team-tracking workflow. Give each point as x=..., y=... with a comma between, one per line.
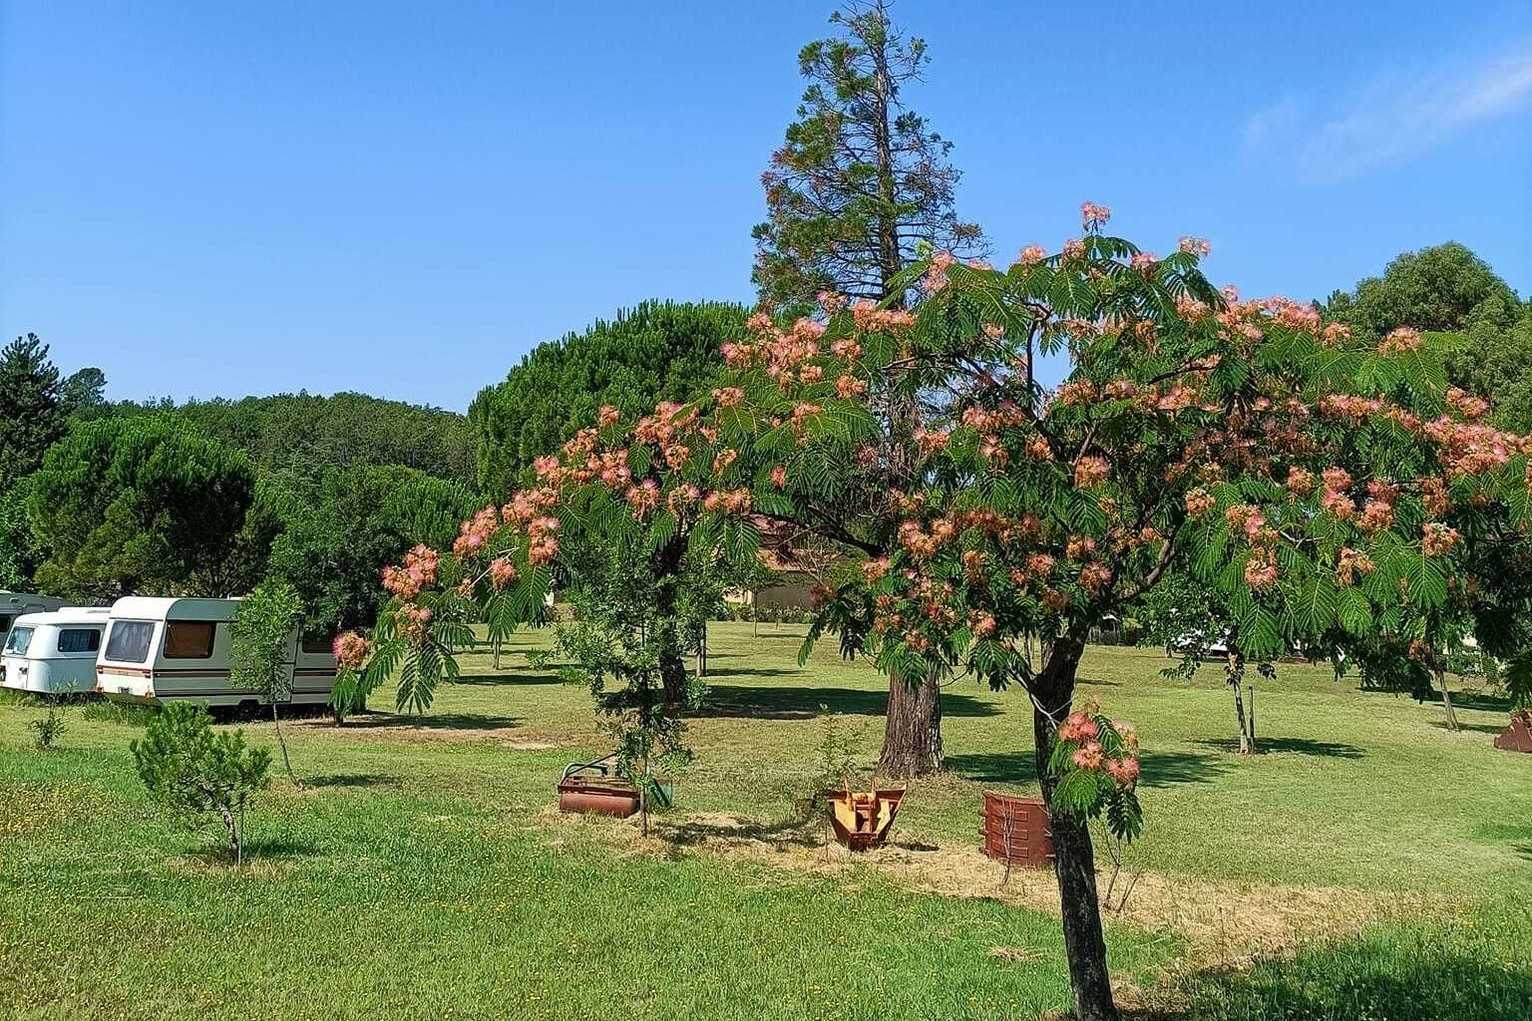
x=196, y=773
x=48, y=728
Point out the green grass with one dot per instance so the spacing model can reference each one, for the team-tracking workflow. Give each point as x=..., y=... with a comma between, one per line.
x=421, y=872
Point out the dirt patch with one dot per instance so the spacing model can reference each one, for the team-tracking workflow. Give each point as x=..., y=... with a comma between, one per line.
x=1224, y=923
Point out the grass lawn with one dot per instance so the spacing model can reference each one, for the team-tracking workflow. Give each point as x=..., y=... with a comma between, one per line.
x=1368, y=863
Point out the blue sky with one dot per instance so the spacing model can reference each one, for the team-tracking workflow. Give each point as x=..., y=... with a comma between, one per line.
x=222, y=199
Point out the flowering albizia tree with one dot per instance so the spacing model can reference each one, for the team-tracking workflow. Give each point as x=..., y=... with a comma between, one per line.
x=1325, y=491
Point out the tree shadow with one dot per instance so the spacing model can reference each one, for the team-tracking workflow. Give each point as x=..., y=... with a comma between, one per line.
x=750, y=672
x=1381, y=975
x=1289, y=745
x=508, y=679
x=269, y=848
x=1091, y=682
x=1160, y=769
x=352, y=780
x=696, y=832
x=1479, y=700
x=436, y=721
x=1479, y=728
x=992, y=767
x=786, y=702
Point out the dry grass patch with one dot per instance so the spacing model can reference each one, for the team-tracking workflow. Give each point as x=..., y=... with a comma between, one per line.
x=1223, y=923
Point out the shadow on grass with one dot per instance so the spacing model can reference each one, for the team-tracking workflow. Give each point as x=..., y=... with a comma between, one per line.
x=1478, y=728
x=1423, y=974
x=693, y=833
x=256, y=850
x=279, y=847
x=1288, y=745
x=1477, y=700
x=509, y=678
x=1160, y=769
x=436, y=721
x=353, y=780
x=752, y=701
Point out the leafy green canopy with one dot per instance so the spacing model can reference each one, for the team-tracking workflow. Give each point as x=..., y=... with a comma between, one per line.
x=1323, y=487
x=656, y=351
x=146, y=503
x=1448, y=289
x=332, y=538
x=261, y=641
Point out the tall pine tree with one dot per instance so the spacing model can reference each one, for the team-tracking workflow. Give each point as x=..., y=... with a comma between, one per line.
x=861, y=181
x=30, y=405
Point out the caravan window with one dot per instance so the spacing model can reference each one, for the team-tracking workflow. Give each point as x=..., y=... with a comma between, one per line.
x=79, y=639
x=189, y=639
x=318, y=645
x=20, y=638
x=129, y=641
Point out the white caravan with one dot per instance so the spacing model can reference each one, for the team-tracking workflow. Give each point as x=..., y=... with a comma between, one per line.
x=14, y=604
x=53, y=653
x=172, y=649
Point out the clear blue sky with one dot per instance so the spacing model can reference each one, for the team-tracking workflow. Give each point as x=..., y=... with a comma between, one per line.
x=222, y=199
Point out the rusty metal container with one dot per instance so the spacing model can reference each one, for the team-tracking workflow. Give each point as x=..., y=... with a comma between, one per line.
x=862, y=819
x=598, y=796
x=1016, y=830
x=1518, y=736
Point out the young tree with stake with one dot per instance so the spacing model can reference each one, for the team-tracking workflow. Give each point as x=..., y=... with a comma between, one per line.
x=262, y=653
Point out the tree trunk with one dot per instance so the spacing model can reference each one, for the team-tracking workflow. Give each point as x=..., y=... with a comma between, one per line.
x=673, y=674
x=232, y=827
x=665, y=562
x=1246, y=745
x=912, y=735
x=1074, y=860
x=1452, y=715
x=282, y=743
x=1250, y=721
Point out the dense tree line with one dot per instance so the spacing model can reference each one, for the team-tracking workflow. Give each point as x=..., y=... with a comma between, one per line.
x=303, y=434
x=209, y=498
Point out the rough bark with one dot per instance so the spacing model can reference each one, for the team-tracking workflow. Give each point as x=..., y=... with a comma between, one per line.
x=912, y=735
x=232, y=826
x=1074, y=861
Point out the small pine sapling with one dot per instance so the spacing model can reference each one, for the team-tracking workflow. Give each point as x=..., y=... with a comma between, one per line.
x=48, y=728
x=194, y=772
